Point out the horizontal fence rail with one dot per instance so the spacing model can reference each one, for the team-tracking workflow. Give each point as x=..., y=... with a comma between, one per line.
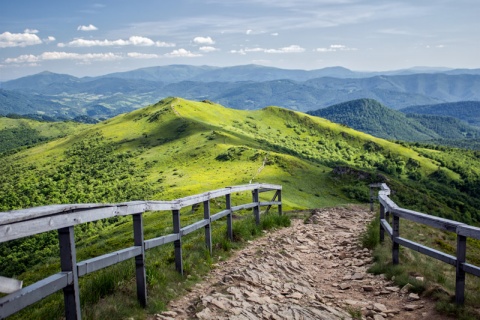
x=62, y=218
x=463, y=231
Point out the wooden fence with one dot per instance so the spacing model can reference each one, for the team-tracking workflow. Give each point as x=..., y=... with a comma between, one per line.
x=22, y=223
x=387, y=207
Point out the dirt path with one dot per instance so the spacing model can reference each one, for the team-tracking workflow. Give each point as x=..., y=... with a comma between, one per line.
x=306, y=271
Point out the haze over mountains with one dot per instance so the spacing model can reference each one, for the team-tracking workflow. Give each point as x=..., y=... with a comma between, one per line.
x=239, y=87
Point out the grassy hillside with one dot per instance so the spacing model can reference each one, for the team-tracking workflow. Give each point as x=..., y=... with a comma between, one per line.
x=179, y=147
x=15, y=133
x=183, y=147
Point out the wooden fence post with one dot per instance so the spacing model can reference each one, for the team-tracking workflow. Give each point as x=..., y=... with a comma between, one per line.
x=177, y=244
x=382, y=216
x=68, y=263
x=208, y=230
x=279, y=199
x=460, y=273
x=140, y=260
x=228, y=204
x=395, y=235
x=256, y=209
x=371, y=198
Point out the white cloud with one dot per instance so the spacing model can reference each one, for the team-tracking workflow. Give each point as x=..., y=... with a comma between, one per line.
x=249, y=31
x=8, y=39
x=203, y=40
x=30, y=31
x=182, y=53
x=290, y=49
x=138, y=55
x=208, y=49
x=335, y=47
x=24, y=58
x=132, y=41
x=274, y=34
x=90, y=27
x=56, y=55
x=241, y=52
x=49, y=39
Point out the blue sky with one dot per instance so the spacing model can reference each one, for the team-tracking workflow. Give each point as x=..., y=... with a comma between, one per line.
x=88, y=38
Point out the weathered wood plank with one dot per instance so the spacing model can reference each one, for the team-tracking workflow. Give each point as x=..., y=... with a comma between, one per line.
x=13, y=216
x=161, y=205
x=106, y=260
x=427, y=251
x=155, y=242
x=386, y=226
x=436, y=222
x=387, y=203
x=268, y=187
x=270, y=203
x=190, y=200
x=27, y=228
x=468, y=231
x=194, y=226
x=472, y=269
x=244, y=207
x=220, y=215
x=29, y=295
x=134, y=207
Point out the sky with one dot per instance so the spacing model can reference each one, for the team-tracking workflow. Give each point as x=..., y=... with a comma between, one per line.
x=90, y=38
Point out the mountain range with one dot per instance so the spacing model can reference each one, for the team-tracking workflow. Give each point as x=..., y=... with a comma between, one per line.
x=240, y=87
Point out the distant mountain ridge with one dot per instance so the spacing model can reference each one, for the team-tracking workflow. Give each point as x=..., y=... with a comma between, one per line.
x=468, y=111
x=238, y=87
x=370, y=116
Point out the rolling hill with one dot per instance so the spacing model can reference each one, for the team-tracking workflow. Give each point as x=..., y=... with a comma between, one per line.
x=372, y=117
x=16, y=133
x=179, y=147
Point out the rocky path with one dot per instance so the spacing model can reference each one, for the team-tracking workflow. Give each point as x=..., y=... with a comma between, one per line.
x=308, y=271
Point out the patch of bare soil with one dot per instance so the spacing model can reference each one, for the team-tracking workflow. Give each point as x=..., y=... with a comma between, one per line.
x=307, y=271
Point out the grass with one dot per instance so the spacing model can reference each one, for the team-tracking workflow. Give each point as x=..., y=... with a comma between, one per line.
x=111, y=292
x=439, y=277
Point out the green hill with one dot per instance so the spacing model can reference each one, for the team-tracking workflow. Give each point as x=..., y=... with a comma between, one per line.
x=370, y=116
x=21, y=132
x=178, y=147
